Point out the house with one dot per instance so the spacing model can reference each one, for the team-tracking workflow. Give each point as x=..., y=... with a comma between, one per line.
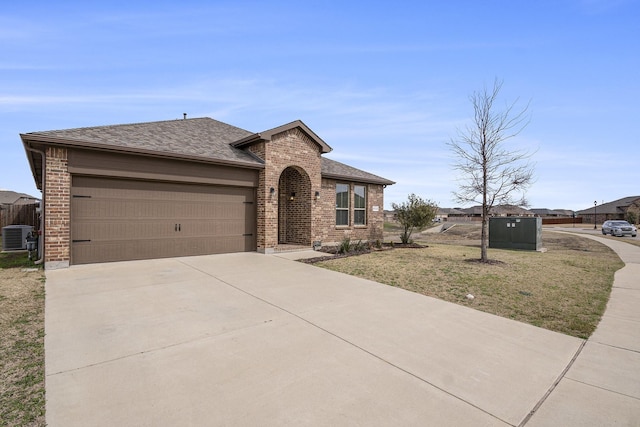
x=193, y=187
x=12, y=198
x=618, y=209
x=445, y=213
x=475, y=212
x=17, y=209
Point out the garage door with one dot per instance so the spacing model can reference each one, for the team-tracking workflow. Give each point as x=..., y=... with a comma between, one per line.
x=116, y=220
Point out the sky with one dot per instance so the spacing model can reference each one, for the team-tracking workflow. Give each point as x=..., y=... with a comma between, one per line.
x=385, y=84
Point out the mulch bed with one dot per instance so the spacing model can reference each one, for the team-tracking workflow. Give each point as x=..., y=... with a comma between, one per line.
x=332, y=251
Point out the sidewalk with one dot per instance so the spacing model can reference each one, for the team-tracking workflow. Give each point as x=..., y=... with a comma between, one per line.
x=602, y=387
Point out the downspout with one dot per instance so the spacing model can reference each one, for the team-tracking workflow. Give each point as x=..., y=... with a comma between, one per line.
x=42, y=206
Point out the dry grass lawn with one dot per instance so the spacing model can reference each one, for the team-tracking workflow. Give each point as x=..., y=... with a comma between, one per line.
x=565, y=289
x=22, y=393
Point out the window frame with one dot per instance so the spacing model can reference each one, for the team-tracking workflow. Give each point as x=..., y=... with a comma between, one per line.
x=341, y=209
x=356, y=208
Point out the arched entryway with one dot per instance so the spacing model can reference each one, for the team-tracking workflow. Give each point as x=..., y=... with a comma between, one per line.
x=294, y=207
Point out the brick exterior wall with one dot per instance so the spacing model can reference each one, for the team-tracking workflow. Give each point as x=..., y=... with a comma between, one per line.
x=331, y=234
x=295, y=150
x=294, y=212
x=265, y=201
x=57, y=193
x=293, y=165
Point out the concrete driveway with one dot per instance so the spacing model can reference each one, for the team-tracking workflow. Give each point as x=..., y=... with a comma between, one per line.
x=251, y=339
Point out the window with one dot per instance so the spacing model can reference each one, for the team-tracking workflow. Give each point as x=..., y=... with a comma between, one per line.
x=342, y=204
x=359, y=205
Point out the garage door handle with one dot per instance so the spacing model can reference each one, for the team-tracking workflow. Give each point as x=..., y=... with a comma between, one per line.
x=177, y=227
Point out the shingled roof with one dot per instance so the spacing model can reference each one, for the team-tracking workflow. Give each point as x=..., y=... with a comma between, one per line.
x=616, y=207
x=8, y=197
x=337, y=170
x=199, y=139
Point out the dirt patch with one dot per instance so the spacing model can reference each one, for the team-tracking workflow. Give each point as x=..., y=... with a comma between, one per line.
x=332, y=252
x=489, y=261
x=22, y=391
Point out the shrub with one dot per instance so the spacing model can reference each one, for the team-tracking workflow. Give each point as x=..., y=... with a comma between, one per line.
x=414, y=214
x=345, y=246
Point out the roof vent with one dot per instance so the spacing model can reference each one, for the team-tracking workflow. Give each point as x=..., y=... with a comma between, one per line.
x=184, y=116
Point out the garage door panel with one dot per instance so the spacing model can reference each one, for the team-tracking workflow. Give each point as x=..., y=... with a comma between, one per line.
x=121, y=250
x=117, y=208
x=118, y=219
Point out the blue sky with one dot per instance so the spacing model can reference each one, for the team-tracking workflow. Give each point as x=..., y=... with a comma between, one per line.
x=385, y=84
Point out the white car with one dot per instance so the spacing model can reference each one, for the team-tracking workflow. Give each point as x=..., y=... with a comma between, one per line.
x=619, y=228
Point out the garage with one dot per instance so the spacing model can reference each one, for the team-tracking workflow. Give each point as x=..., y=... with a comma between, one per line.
x=125, y=219
x=189, y=187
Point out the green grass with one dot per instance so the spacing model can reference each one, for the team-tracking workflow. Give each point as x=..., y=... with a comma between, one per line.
x=16, y=259
x=565, y=289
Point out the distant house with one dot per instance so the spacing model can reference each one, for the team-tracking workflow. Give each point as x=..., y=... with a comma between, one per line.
x=12, y=198
x=17, y=208
x=552, y=213
x=617, y=209
x=500, y=210
x=445, y=213
x=390, y=216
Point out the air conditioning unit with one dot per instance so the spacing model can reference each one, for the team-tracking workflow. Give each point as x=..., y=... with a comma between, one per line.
x=14, y=237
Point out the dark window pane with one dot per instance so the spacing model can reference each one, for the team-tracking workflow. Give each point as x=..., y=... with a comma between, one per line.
x=359, y=197
x=342, y=196
x=342, y=217
x=359, y=217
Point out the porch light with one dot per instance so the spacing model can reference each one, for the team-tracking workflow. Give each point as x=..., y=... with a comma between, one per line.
x=272, y=190
x=293, y=196
x=317, y=195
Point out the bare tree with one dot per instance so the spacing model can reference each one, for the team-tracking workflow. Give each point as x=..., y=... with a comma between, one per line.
x=491, y=173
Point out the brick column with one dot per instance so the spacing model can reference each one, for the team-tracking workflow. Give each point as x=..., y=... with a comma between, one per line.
x=57, y=209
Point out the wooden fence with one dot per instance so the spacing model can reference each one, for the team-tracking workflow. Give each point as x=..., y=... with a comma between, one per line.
x=551, y=220
x=19, y=215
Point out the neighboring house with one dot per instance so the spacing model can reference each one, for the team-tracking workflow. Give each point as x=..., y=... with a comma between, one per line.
x=194, y=187
x=12, y=198
x=612, y=210
x=445, y=213
x=390, y=216
x=552, y=213
x=475, y=212
x=17, y=209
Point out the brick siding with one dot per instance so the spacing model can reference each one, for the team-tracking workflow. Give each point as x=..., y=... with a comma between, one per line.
x=371, y=231
x=293, y=165
x=295, y=150
x=57, y=208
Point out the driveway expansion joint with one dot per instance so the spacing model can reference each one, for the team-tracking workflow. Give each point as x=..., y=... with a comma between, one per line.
x=554, y=385
x=419, y=378
x=603, y=388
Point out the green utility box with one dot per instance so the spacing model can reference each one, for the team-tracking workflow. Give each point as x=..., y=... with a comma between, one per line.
x=515, y=233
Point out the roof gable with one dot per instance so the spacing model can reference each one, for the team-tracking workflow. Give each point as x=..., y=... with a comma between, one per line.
x=267, y=135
